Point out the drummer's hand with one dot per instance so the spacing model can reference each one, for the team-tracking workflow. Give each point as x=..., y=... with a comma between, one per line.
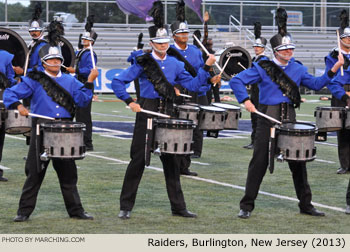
x=249, y=106
x=94, y=98
x=135, y=107
x=93, y=75
x=70, y=69
x=348, y=93
x=18, y=70
x=211, y=60
x=206, y=17
x=177, y=91
x=216, y=79
x=22, y=110
x=338, y=64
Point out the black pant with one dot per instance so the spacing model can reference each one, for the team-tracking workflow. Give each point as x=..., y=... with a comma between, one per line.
x=134, y=171
x=2, y=140
x=343, y=137
x=83, y=115
x=198, y=134
x=259, y=162
x=67, y=175
x=214, y=90
x=254, y=97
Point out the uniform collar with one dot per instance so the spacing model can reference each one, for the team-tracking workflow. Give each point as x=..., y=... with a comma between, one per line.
x=58, y=75
x=279, y=63
x=156, y=57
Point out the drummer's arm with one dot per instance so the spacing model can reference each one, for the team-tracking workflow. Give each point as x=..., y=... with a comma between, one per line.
x=336, y=86
x=13, y=94
x=124, y=78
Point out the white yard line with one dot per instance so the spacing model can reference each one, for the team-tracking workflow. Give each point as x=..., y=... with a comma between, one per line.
x=211, y=181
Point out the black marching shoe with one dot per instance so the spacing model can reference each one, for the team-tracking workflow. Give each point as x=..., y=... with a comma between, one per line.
x=244, y=214
x=342, y=171
x=195, y=155
x=89, y=148
x=82, y=216
x=249, y=146
x=2, y=179
x=312, y=212
x=347, y=210
x=188, y=172
x=123, y=214
x=184, y=213
x=21, y=218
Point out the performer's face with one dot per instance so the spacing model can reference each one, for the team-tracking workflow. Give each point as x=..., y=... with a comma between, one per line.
x=86, y=42
x=258, y=50
x=160, y=48
x=53, y=66
x=345, y=43
x=35, y=34
x=181, y=37
x=284, y=56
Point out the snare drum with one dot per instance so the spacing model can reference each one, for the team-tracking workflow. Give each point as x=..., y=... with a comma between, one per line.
x=296, y=141
x=211, y=118
x=174, y=136
x=17, y=124
x=188, y=112
x=63, y=140
x=329, y=118
x=232, y=116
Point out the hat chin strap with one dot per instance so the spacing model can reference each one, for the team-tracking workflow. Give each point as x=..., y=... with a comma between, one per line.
x=52, y=65
x=285, y=57
x=160, y=51
x=181, y=36
x=344, y=44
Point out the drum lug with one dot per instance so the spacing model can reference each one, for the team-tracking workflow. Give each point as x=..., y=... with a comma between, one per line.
x=44, y=157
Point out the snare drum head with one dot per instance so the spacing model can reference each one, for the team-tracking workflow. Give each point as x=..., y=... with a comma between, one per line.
x=297, y=127
x=62, y=125
x=188, y=107
x=226, y=106
x=212, y=109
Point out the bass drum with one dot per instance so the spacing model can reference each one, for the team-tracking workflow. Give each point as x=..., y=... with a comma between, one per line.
x=13, y=43
x=67, y=53
x=236, y=56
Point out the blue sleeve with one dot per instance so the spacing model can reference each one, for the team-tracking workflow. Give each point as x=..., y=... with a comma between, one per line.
x=336, y=85
x=312, y=82
x=133, y=55
x=329, y=62
x=246, y=77
x=187, y=81
x=86, y=64
x=124, y=78
x=10, y=73
x=17, y=92
x=81, y=95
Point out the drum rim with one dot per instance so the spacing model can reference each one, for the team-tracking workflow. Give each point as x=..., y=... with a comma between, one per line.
x=329, y=108
x=203, y=108
x=193, y=108
x=234, y=107
x=287, y=131
x=62, y=125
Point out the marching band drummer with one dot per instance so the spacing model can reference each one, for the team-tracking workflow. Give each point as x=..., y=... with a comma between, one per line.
x=279, y=81
x=43, y=88
x=7, y=76
x=343, y=135
x=157, y=73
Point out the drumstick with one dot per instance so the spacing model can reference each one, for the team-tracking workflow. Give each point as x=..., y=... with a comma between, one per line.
x=223, y=68
x=184, y=95
x=26, y=65
x=37, y=115
x=206, y=51
x=339, y=51
x=264, y=115
x=93, y=60
x=153, y=113
x=239, y=63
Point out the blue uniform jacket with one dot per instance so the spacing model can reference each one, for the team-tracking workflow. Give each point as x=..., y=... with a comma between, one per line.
x=34, y=60
x=336, y=86
x=270, y=92
x=6, y=66
x=41, y=103
x=173, y=70
x=194, y=56
x=85, y=63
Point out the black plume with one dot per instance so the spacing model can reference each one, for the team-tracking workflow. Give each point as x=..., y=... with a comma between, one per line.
x=281, y=20
x=89, y=23
x=139, y=41
x=55, y=31
x=80, y=45
x=157, y=12
x=344, y=19
x=37, y=11
x=257, y=30
x=180, y=11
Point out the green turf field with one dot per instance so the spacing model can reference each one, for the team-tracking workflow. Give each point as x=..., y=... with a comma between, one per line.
x=214, y=195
